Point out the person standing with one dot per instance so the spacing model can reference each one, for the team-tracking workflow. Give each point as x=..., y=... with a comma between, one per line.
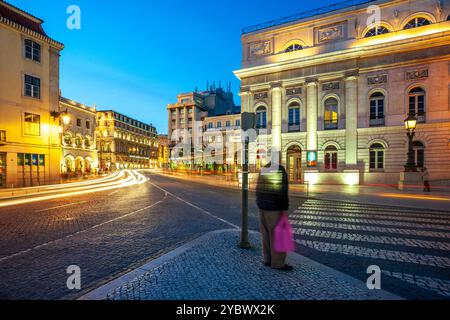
x=272, y=197
x=426, y=180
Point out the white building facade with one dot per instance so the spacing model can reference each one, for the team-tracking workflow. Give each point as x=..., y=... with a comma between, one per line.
x=333, y=91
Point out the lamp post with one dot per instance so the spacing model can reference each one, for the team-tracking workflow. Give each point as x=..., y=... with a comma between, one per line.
x=411, y=124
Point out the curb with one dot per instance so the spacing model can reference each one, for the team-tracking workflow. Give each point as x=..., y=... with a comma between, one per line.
x=102, y=292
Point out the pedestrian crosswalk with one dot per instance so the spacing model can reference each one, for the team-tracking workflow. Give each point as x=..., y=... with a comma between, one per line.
x=410, y=245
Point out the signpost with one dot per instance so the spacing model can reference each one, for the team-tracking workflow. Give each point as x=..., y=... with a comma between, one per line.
x=248, y=122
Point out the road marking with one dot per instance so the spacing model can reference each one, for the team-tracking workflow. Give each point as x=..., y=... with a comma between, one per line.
x=63, y=206
x=195, y=206
x=82, y=231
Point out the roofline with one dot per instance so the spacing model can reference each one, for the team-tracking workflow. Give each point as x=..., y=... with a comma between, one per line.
x=148, y=124
x=20, y=11
x=76, y=104
x=308, y=15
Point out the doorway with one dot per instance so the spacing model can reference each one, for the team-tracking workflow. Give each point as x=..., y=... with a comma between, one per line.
x=294, y=164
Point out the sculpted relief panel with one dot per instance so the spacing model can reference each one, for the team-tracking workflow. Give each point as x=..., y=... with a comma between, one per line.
x=261, y=48
x=330, y=33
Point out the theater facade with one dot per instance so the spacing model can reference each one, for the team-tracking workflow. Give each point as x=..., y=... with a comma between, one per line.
x=333, y=89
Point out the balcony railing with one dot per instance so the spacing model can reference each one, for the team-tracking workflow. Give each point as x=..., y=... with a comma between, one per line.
x=331, y=125
x=306, y=14
x=377, y=122
x=2, y=137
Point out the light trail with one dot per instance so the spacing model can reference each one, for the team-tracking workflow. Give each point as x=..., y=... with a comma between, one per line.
x=134, y=178
x=413, y=196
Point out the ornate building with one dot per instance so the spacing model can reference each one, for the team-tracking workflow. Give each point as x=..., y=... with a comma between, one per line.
x=78, y=138
x=125, y=143
x=163, y=151
x=333, y=90
x=30, y=146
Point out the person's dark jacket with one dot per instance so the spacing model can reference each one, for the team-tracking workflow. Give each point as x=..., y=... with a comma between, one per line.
x=272, y=190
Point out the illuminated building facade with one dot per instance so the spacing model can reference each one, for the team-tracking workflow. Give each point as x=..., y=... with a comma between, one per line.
x=79, y=152
x=30, y=146
x=163, y=151
x=333, y=90
x=187, y=122
x=125, y=143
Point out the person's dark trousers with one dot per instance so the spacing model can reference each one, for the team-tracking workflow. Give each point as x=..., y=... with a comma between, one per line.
x=269, y=220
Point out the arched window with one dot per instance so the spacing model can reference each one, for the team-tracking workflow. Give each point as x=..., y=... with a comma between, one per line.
x=419, y=154
x=377, y=108
x=293, y=47
x=294, y=116
x=67, y=139
x=417, y=104
x=261, y=118
x=448, y=18
x=331, y=158
x=78, y=142
x=376, y=156
x=417, y=22
x=376, y=31
x=87, y=143
x=331, y=114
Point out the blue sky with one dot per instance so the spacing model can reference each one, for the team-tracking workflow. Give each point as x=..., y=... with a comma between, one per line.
x=135, y=56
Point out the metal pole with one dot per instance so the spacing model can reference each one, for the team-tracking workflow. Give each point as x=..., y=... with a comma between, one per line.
x=245, y=244
x=410, y=165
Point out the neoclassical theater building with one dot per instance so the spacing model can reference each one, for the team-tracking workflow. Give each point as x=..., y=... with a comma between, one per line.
x=333, y=90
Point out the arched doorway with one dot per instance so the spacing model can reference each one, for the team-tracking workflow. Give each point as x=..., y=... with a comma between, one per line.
x=70, y=164
x=88, y=165
x=294, y=164
x=79, y=165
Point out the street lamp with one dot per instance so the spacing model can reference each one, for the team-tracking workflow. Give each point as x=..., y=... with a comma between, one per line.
x=410, y=125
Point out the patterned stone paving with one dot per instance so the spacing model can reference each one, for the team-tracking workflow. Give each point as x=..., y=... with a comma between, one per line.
x=411, y=246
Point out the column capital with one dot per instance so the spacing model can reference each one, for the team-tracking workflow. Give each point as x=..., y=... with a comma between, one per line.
x=312, y=81
x=245, y=91
x=276, y=86
x=351, y=75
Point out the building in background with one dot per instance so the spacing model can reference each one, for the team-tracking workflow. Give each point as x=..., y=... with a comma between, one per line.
x=125, y=143
x=30, y=146
x=222, y=143
x=187, y=124
x=79, y=152
x=163, y=151
x=333, y=92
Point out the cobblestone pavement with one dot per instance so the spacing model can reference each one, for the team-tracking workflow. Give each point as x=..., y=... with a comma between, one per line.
x=214, y=268
x=411, y=246
x=110, y=233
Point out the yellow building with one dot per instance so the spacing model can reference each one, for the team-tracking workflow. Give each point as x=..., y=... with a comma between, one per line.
x=163, y=151
x=125, y=143
x=30, y=146
x=79, y=152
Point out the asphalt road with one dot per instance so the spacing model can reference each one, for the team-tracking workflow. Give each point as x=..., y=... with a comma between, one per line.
x=110, y=233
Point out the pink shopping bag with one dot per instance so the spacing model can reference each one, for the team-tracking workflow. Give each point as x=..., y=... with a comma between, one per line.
x=283, y=236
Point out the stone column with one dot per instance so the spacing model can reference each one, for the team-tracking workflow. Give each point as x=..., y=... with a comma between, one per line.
x=311, y=117
x=245, y=100
x=351, y=122
x=276, y=117
x=351, y=173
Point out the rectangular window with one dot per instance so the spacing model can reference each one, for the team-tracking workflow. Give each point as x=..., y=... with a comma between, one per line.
x=32, y=50
x=27, y=159
x=219, y=124
x=32, y=124
x=88, y=125
x=32, y=87
x=42, y=160
x=238, y=123
x=78, y=122
x=228, y=124
x=34, y=159
x=20, y=159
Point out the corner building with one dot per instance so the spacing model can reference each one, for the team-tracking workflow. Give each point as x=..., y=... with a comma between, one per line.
x=333, y=92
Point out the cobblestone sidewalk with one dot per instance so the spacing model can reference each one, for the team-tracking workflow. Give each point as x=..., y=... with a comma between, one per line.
x=214, y=268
